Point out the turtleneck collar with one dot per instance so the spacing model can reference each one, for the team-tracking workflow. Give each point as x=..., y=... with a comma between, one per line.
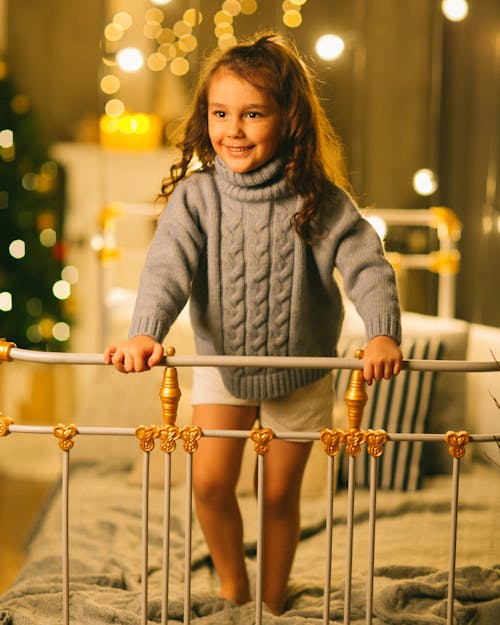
x=261, y=184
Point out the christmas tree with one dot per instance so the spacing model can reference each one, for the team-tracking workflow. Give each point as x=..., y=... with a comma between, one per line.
x=35, y=283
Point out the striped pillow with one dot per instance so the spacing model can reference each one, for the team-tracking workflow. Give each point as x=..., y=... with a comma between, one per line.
x=400, y=405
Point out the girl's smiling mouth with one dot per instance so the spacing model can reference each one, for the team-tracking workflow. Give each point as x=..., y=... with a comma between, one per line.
x=238, y=148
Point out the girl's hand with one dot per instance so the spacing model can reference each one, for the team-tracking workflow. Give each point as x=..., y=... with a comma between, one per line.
x=139, y=353
x=382, y=359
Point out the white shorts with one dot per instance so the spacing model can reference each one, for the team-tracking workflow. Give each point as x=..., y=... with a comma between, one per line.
x=307, y=409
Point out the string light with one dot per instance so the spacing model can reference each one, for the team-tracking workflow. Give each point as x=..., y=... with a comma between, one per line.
x=248, y=7
x=110, y=84
x=156, y=61
x=292, y=16
x=114, y=107
x=113, y=32
x=122, y=20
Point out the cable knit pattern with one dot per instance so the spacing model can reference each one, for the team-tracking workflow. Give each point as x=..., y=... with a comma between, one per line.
x=281, y=285
x=233, y=289
x=225, y=240
x=258, y=281
x=247, y=257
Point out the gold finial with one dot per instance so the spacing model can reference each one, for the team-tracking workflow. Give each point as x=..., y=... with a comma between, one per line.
x=446, y=222
x=261, y=438
x=65, y=434
x=191, y=435
x=331, y=440
x=107, y=254
x=168, y=434
x=445, y=262
x=355, y=396
x=457, y=442
x=146, y=435
x=5, y=423
x=170, y=393
x=5, y=347
x=109, y=214
x=375, y=441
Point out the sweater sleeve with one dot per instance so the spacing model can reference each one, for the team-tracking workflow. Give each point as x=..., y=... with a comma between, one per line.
x=369, y=279
x=170, y=265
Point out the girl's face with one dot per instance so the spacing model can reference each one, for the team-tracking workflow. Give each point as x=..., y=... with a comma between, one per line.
x=244, y=122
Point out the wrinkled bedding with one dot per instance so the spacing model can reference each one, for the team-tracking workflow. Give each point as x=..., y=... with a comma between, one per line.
x=411, y=563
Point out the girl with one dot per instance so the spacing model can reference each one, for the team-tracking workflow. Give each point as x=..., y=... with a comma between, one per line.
x=256, y=222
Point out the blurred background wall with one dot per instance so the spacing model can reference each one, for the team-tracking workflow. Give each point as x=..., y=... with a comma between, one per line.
x=412, y=90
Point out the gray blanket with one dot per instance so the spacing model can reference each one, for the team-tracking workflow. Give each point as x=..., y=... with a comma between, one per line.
x=105, y=546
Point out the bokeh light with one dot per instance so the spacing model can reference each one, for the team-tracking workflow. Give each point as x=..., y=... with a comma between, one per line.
x=330, y=47
x=61, y=331
x=17, y=249
x=5, y=301
x=130, y=60
x=455, y=10
x=61, y=289
x=425, y=182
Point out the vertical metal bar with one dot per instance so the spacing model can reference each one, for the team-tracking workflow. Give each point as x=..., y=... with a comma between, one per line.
x=349, y=545
x=166, y=538
x=188, y=539
x=371, y=538
x=329, y=539
x=65, y=535
x=145, y=524
x=260, y=539
x=453, y=539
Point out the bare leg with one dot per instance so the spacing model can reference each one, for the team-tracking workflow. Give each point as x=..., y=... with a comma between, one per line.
x=216, y=468
x=284, y=468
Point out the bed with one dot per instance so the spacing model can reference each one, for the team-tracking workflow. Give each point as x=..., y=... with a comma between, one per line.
x=410, y=574
x=389, y=539
x=407, y=540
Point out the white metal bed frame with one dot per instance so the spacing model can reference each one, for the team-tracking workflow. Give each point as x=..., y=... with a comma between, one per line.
x=352, y=438
x=444, y=261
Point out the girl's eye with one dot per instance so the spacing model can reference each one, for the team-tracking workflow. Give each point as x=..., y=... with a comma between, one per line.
x=252, y=114
x=219, y=114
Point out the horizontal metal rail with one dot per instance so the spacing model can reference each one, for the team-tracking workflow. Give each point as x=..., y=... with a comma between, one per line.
x=295, y=362
x=127, y=431
x=66, y=434
x=282, y=435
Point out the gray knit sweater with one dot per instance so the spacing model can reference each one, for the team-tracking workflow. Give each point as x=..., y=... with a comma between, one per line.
x=255, y=287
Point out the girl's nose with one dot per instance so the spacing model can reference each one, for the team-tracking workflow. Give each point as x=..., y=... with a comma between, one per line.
x=235, y=129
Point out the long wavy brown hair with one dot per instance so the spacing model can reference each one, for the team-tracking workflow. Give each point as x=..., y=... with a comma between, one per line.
x=309, y=145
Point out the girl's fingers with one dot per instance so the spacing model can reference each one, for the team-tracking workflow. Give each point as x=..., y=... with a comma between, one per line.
x=156, y=356
x=108, y=353
x=382, y=370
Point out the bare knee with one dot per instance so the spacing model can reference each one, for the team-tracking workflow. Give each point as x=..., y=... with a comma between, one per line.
x=211, y=489
x=281, y=499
